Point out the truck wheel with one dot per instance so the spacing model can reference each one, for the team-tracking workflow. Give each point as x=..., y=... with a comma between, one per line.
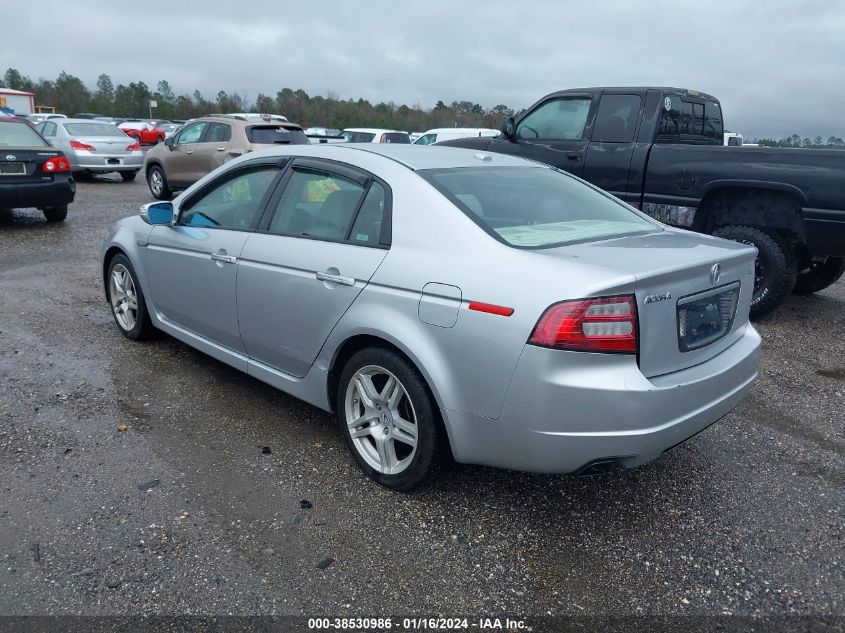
x=774, y=271
x=819, y=275
x=55, y=214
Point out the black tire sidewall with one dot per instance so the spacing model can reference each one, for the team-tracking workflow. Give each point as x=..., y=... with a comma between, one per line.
x=779, y=265
x=143, y=326
x=166, y=193
x=430, y=444
x=820, y=277
x=128, y=176
x=55, y=214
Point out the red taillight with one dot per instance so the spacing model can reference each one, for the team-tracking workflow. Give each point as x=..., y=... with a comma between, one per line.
x=135, y=147
x=489, y=308
x=606, y=324
x=84, y=146
x=56, y=165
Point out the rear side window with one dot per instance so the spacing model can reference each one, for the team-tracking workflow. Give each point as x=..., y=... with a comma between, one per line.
x=48, y=129
x=218, y=133
x=395, y=137
x=19, y=135
x=426, y=139
x=558, y=119
x=358, y=137
x=688, y=121
x=317, y=204
x=368, y=225
x=535, y=207
x=92, y=129
x=270, y=134
x=616, y=120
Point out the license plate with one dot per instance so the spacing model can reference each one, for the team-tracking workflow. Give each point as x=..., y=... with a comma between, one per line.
x=13, y=169
x=706, y=317
x=113, y=161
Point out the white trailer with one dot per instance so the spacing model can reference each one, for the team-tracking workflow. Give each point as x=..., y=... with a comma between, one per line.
x=17, y=101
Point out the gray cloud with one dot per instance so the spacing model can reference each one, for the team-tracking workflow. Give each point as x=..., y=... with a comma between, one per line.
x=777, y=66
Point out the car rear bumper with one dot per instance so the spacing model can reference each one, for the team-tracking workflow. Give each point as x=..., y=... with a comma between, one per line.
x=568, y=410
x=55, y=193
x=101, y=162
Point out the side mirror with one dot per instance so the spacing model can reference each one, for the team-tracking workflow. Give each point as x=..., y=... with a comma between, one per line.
x=169, y=141
x=157, y=213
x=509, y=129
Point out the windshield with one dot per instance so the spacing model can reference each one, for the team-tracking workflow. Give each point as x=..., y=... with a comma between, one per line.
x=535, y=207
x=19, y=135
x=93, y=129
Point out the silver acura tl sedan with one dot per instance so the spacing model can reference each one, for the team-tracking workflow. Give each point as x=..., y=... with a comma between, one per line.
x=444, y=303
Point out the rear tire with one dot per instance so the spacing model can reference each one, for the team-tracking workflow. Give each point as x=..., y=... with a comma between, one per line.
x=819, y=276
x=126, y=300
x=55, y=214
x=157, y=182
x=399, y=423
x=775, y=269
x=128, y=176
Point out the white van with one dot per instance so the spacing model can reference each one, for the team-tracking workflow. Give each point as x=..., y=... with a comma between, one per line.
x=451, y=133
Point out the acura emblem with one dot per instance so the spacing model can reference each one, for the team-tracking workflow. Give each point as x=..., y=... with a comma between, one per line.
x=715, y=274
x=10, y=157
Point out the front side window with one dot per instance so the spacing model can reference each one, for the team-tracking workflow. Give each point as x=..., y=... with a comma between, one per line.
x=616, y=119
x=535, y=207
x=317, y=204
x=192, y=133
x=426, y=139
x=558, y=119
x=234, y=203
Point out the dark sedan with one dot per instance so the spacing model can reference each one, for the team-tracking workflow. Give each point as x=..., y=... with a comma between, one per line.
x=33, y=174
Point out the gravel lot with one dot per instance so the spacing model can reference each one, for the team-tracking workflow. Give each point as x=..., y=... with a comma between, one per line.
x=187, y=512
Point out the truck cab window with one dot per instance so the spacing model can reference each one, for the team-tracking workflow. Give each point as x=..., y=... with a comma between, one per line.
x=690, y=121
x=558, y=119
x=616, y=120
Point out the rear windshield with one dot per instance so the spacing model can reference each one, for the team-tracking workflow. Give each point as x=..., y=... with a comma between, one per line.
x=535, y=207
x=269, y=134
x=93, y=129
x=358, y=137
x=19, y=135
x=395, y=137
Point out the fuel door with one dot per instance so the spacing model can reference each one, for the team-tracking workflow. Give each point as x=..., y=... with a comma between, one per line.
x=439, y=304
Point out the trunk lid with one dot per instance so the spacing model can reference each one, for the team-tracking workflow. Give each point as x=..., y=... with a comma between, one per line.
x=108, y=145
x=24, y=165
x=674, y=290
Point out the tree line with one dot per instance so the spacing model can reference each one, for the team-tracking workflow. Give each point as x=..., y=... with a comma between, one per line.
x=69, y=95
x=833, y=142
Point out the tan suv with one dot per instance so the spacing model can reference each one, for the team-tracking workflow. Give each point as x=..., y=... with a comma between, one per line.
x=204, y=144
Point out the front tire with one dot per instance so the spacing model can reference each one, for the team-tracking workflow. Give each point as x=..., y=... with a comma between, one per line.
x=775, y=269
x=55, y=214
x=127, y=300
x=389, y=419
x=157, y=182
x=128, y=176
x=819, y=275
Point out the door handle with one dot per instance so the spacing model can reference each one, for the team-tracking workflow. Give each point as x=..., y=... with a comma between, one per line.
x=221, y=149
x=337, y=279
x=574, y=156
x=189, y=151
x=220, y=257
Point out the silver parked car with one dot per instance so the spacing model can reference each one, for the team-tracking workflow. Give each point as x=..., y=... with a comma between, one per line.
x=94, y=147
x=445, y=302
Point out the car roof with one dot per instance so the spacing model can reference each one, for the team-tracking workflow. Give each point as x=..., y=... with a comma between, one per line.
x=459, y=130
x=413, y=157
x=71, y=120
x=371, y=129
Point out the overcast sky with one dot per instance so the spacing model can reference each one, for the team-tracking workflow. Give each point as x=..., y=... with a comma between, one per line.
x=777, y=66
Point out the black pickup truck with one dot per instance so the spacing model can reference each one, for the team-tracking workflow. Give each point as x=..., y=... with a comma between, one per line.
x=660, y=150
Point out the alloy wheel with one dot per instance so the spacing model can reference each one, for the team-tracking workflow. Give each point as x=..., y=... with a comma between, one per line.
x=156, y=182
x=124, y=298
x=381, y=420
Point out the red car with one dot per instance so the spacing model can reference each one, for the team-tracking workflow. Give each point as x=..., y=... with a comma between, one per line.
x=145, y=133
